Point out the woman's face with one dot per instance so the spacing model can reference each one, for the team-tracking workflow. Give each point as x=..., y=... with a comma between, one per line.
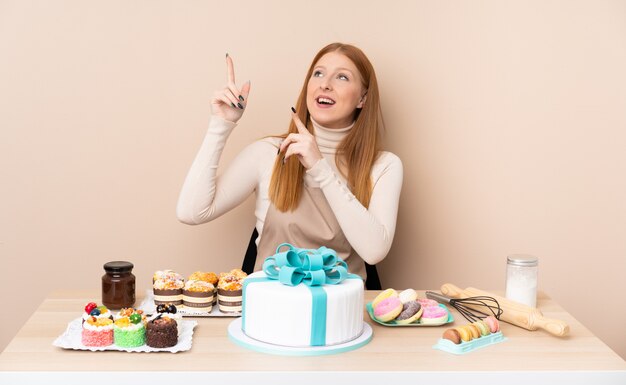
x=334, y=91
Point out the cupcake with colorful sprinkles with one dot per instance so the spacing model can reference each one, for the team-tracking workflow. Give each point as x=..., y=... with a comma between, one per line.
x=97, y=332
x=129, y=332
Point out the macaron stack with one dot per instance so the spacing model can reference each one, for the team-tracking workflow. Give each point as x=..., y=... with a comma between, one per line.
x=475, y=330
x=405, y=308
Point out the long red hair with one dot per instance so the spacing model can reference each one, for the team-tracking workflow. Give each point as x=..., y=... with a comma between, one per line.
x=356, y=154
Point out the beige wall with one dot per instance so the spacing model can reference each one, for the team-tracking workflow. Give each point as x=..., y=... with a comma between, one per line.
x=509, y=118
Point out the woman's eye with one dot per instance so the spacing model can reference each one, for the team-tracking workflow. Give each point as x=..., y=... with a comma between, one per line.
x=342, y=77
x=317, y=74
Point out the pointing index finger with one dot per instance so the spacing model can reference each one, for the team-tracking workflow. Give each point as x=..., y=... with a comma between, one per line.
x=231, y=69
x=301, y=127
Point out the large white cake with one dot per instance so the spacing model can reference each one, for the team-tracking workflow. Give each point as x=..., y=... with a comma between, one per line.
x=283, y=315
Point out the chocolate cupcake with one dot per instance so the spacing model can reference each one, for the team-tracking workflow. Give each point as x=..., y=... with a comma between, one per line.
x=161, y=332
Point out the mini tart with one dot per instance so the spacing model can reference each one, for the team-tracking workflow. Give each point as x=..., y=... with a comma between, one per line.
x=97, y=332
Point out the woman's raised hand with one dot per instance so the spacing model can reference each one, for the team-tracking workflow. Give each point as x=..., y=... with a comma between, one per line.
x=230, y=102
x=302, y=144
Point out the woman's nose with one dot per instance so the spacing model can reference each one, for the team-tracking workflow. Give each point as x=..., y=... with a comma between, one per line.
x=325, y=85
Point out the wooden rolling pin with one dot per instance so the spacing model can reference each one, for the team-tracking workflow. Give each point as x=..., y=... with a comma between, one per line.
x=515, y=313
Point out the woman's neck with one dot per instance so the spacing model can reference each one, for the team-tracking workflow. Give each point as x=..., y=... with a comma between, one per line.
x=328, y=139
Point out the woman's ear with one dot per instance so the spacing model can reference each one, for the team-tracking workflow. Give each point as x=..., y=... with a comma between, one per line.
x=362, y=101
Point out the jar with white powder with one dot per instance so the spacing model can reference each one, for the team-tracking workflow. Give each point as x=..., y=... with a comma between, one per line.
x=521, y=279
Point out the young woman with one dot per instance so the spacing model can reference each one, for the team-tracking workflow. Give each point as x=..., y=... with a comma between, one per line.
x=326, y=182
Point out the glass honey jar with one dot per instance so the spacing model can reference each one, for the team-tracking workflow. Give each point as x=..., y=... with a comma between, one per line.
x=118, y=285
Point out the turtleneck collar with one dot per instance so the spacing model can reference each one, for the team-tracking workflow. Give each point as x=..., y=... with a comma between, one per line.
x=328, y=139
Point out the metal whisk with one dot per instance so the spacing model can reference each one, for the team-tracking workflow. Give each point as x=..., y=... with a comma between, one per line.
x=472, y=308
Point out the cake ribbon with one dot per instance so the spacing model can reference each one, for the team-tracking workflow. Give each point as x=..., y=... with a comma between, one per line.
x=313, y=267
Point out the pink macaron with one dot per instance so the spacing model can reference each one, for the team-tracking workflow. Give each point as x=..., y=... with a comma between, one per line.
x=493, y=323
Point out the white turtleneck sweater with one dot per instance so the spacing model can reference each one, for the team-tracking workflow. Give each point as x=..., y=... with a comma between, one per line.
x=205, y=195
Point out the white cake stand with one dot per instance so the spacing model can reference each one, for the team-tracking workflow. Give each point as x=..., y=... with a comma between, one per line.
x=240, y=338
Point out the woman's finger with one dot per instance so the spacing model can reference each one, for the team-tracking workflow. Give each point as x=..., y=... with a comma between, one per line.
x=245, y=91
x=221, y=97
x=301, y=127
x=233, y=98
x=289, y=140
x=231, y=69
x=236, y=95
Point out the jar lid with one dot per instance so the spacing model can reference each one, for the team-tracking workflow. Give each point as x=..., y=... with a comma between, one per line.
x=522, y=260
x=118, y=267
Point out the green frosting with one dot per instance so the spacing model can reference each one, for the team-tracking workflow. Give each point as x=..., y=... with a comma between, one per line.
x=129, y=338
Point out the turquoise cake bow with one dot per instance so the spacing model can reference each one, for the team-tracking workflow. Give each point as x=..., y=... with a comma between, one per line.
x=313, y=267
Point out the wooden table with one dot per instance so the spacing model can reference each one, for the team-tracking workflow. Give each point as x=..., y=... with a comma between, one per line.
x=395, y=355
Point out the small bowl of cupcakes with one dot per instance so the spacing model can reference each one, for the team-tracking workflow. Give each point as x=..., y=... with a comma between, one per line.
x=393, y=308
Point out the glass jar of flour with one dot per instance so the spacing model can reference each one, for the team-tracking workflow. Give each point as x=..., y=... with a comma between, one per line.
x=521, y=279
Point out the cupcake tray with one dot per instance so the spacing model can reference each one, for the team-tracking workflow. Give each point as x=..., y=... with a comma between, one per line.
x=71, y=339
x=148, y=306
x=370, y=311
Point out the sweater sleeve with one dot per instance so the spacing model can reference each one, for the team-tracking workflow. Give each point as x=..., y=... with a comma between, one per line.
x=370, y=231
x=204, y=195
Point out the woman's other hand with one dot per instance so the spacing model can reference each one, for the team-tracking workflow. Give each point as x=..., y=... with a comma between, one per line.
x=302, y=144
x=230, y=102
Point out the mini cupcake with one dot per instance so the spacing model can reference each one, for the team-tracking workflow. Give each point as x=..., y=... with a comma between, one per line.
x=229, y=291
x=161, y=332
x=129, y=332
x=97, y=332
x=168, y=287
x=209, y=277
x=93, y=310
x=198, y=295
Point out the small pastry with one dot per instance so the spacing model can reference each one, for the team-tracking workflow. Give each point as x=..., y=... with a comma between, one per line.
x=97, y=332
x=388, y=309
x=129, y=332
x=474, y=330
x=411, y=312
x=464, y=333
x=452, y=335
x=425, y=302
x=408, y=295
x=493, y=323
x=483, y=327
x=161, y=332
x=385, y=294
x=434, y=315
